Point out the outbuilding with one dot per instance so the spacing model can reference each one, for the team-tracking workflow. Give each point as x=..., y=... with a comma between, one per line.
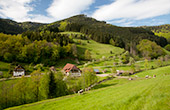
x=19, y=71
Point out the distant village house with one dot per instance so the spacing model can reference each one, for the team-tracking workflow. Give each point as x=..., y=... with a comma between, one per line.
x=71, y=70
x=96, y=71
x=19, y=71
x=52, y=69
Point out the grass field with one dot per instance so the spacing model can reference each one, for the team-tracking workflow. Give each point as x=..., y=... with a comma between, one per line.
x=97, y=50
x=4, y=67
x=69, y=33
x=116, y=94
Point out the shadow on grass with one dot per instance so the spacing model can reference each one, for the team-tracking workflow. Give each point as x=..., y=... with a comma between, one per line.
x=103, y=85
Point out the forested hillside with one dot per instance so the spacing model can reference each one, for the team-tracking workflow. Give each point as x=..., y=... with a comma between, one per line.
x=104, y=33
x=100, y=31
x=162, y=30
x=11, y=27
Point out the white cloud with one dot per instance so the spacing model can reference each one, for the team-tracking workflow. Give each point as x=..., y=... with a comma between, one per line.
x=20, y=10
x=61, y=9
x=16, y=9
x=132, y=9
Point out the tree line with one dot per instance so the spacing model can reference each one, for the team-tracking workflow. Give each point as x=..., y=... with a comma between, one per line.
x=42, y=86
x=33, y=49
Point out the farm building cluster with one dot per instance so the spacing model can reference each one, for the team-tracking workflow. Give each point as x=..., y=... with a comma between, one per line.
x=68, y=70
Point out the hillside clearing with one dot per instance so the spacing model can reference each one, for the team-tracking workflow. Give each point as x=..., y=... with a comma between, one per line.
x=97, y=50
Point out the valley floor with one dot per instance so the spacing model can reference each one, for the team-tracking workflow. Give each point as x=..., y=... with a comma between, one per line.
x=116, y=94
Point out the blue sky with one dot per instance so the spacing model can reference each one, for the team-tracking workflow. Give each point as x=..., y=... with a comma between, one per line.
x=116, y=12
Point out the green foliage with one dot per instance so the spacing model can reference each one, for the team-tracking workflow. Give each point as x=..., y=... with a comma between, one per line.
x=74, y=50
x=87, y=55
x=131, y=61
x=26, y=90
x=22, y=90
x=159, y=61
x=133, y=69
x=167, y=47
x=149, y=49
x=44, y=88
x=11, y=27
x=52, y=85
x=146, y=64
x=35, y=84
x=8, y=57
x=63, y=25
x=89, y=77
x=114, y=70
x=125, y=57
x=21, y=49
x=161, y=30
x=112, y=42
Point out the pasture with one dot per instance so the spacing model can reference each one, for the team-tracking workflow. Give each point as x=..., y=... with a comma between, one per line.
x=116, y=94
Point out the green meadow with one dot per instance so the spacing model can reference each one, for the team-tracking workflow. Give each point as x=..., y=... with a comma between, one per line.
x=116, y=94
x=97, y=50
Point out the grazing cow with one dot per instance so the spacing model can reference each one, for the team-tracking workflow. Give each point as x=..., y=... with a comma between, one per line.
x=147, y=76
x=80, y=91
x=130, y=79
x=86, y=89
x=154, y=76
x=136, y=76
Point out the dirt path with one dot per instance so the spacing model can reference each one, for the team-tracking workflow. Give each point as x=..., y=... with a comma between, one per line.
x=102, y=75
x=3, y=79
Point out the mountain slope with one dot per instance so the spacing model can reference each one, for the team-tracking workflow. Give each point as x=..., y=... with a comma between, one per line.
x=11, y=27
x=162, y=30
x=126, y=37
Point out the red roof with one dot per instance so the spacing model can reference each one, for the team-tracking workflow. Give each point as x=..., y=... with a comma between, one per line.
x=68, y=67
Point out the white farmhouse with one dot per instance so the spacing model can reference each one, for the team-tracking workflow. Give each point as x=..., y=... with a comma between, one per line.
x=71, y=70
x=19, y=71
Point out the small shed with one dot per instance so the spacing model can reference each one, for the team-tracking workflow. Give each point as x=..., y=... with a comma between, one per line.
x=19, y=71
x=96, y=71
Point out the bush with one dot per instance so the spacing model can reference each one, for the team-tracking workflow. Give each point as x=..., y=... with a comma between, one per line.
x=167, y=47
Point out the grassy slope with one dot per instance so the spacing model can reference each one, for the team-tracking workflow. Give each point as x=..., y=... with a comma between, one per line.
x=4, y=67
x=69, y=33
x=96, y=49
x=166, y=35
x=145, y=94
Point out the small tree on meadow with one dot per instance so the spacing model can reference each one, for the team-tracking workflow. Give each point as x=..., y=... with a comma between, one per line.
x=74, y=50
x=146, y=65
x=167, y=47
x=133, y=68
x=131, y=61
x=89, y=77
x=159, y=62
x=112, y=42
x=114, y=70
x=87, y=55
